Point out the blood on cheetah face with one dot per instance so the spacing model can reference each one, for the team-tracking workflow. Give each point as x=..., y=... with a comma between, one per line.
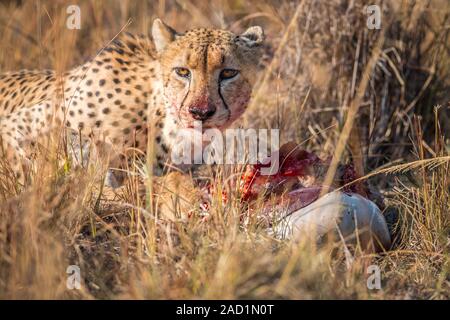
x=207, y=74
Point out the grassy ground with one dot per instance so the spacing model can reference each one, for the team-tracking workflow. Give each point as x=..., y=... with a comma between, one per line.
x=324, y=73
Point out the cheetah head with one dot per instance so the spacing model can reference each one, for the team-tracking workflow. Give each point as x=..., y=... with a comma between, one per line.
x=208, y=74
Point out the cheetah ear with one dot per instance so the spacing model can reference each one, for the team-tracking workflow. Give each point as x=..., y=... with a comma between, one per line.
x=162, y=34
x=253, y=36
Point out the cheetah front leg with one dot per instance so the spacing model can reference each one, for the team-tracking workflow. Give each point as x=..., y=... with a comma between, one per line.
x=43, y=129
x=40, y=130
x=13, y=163
x=18, y=133
x=176, y=195
x=85, y=151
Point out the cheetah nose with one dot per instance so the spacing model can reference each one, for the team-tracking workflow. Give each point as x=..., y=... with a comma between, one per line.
x=202, y=114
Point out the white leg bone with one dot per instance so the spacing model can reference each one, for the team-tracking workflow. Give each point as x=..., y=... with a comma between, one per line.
x=350, y=212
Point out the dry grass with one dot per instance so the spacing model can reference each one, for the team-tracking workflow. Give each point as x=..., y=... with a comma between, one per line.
x=319, y=83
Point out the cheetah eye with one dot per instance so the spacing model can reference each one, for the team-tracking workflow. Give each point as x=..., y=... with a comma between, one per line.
x=183, y=72
x=228, y=74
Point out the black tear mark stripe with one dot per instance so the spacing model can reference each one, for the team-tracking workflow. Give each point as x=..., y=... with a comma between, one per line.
x=221, y=97
x=187, y=93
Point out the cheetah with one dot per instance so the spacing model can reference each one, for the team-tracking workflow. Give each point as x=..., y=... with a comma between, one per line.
x=168, y=80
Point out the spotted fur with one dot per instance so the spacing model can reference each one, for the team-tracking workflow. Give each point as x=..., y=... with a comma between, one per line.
x=132, y=84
